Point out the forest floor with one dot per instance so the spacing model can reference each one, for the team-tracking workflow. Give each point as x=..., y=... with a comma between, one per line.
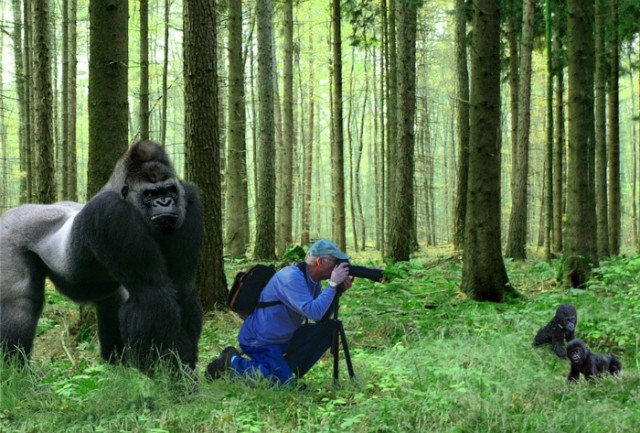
x=426, y=360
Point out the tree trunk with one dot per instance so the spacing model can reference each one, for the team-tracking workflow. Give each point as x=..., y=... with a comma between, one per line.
x=43, y=97
x=559, y=178
x=613, y=150
x=402, y=221
x=285, y=150
x=337, y=154
x=4, y=180
x=484, y=277
x=71, y=154
x=236, y=209
x=548, y=172
x=64, y=139
x=18, y=59
x=143, y=115
x=108, y=91
x=580, y=238
x=462, y=112
x=202, y=145
x=308, y=165
x=517, y=239
x=602, y=225
x=392, y=121
x=266, y=200
x=165, y=74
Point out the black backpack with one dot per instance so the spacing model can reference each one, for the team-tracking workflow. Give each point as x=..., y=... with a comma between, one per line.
x=247, y=286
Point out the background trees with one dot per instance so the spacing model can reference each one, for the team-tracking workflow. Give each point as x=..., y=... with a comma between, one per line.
x=392, y=191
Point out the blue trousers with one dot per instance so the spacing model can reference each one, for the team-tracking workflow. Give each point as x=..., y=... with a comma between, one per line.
x=281, y=362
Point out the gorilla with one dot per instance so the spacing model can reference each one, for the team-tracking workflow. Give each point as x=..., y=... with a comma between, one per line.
x=131, y=251
x=560, y=329
x=590, y=364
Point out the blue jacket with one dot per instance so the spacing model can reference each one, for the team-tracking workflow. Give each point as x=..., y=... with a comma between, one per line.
x=301, y=298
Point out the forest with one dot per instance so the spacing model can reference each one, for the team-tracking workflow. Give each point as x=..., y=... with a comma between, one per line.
x=485, y=153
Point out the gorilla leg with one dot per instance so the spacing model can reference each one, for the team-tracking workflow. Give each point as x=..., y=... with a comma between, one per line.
x=111, y=345
x=21, y=302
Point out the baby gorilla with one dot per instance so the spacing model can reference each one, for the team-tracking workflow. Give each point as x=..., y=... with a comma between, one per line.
x=560, y=329
x=589, y=364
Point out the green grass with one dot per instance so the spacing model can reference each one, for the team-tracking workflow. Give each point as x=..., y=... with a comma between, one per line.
x=426, y=359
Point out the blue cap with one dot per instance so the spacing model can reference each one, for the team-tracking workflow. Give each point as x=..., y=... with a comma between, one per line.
x=324, y=247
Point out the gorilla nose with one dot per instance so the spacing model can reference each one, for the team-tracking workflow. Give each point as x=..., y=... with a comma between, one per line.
x=163, y=202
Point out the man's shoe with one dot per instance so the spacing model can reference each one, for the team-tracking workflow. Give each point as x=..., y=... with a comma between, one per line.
x=222, y=363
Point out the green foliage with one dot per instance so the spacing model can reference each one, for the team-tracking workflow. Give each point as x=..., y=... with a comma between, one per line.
x=426, y=359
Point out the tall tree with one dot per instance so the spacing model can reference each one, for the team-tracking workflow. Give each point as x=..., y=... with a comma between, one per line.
x=400, y=233
x=600, y=77
x=71, y=153
x=580, y=251
x=43, y=100
x=165, y=73
x=484, y=276
x=517, y=238
x=462, y=120
x=548, y=175
x=202, y=146
x=613, y=150
x=4, y=180
x=265, y=203
x=108, y=90
x=559, y=133
x=236, y=208
x=21, y=84
x=392, y=111
x=143, y=115
x=284, y=154
x=337, y=154
x=308, y=165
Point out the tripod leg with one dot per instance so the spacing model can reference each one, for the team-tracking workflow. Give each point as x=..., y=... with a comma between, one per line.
x=335, y=349
x=345, y=349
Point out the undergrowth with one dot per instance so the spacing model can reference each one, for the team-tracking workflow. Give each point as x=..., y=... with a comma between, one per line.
x=425, y=357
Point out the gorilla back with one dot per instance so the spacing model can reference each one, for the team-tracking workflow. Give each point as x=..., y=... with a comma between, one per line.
x=131, y=250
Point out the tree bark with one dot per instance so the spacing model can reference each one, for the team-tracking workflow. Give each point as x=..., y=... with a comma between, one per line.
x=484, y=277
x=143, y=115
x=43, y=99
x=285, y=150
x=602, y=225
x=266, y=200
x=402, y=217
x=517, y=238
x=337, y=154
x=236, y=209
x=108, y=90
x=613, y=150
x=580, y=248
x=202, y=145
x=462, y=112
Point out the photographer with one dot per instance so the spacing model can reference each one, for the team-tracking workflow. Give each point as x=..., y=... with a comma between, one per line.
x=279, y=345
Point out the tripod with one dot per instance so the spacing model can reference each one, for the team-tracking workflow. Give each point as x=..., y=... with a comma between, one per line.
x=338, y=336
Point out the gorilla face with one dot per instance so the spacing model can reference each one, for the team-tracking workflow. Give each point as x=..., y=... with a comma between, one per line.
x=160, y=204
x=567, y=317
x=577, y=352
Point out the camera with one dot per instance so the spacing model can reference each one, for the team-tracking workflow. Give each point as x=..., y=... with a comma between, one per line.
x=372, y=274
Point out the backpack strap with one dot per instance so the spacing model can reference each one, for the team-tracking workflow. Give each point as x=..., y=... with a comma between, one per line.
x=300, y=265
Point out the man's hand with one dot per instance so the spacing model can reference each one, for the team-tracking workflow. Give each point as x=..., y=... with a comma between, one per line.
x=340, y=273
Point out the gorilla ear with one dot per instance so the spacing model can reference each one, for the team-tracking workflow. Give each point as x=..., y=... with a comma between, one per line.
x=125, y=190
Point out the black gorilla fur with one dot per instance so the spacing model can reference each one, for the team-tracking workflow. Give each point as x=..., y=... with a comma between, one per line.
x=590, y=364
x=131, y=250
x=560, y=329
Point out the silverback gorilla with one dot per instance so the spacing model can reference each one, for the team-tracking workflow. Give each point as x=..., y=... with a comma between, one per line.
x=560, y=329
x=590, y=364
x=131, y=251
